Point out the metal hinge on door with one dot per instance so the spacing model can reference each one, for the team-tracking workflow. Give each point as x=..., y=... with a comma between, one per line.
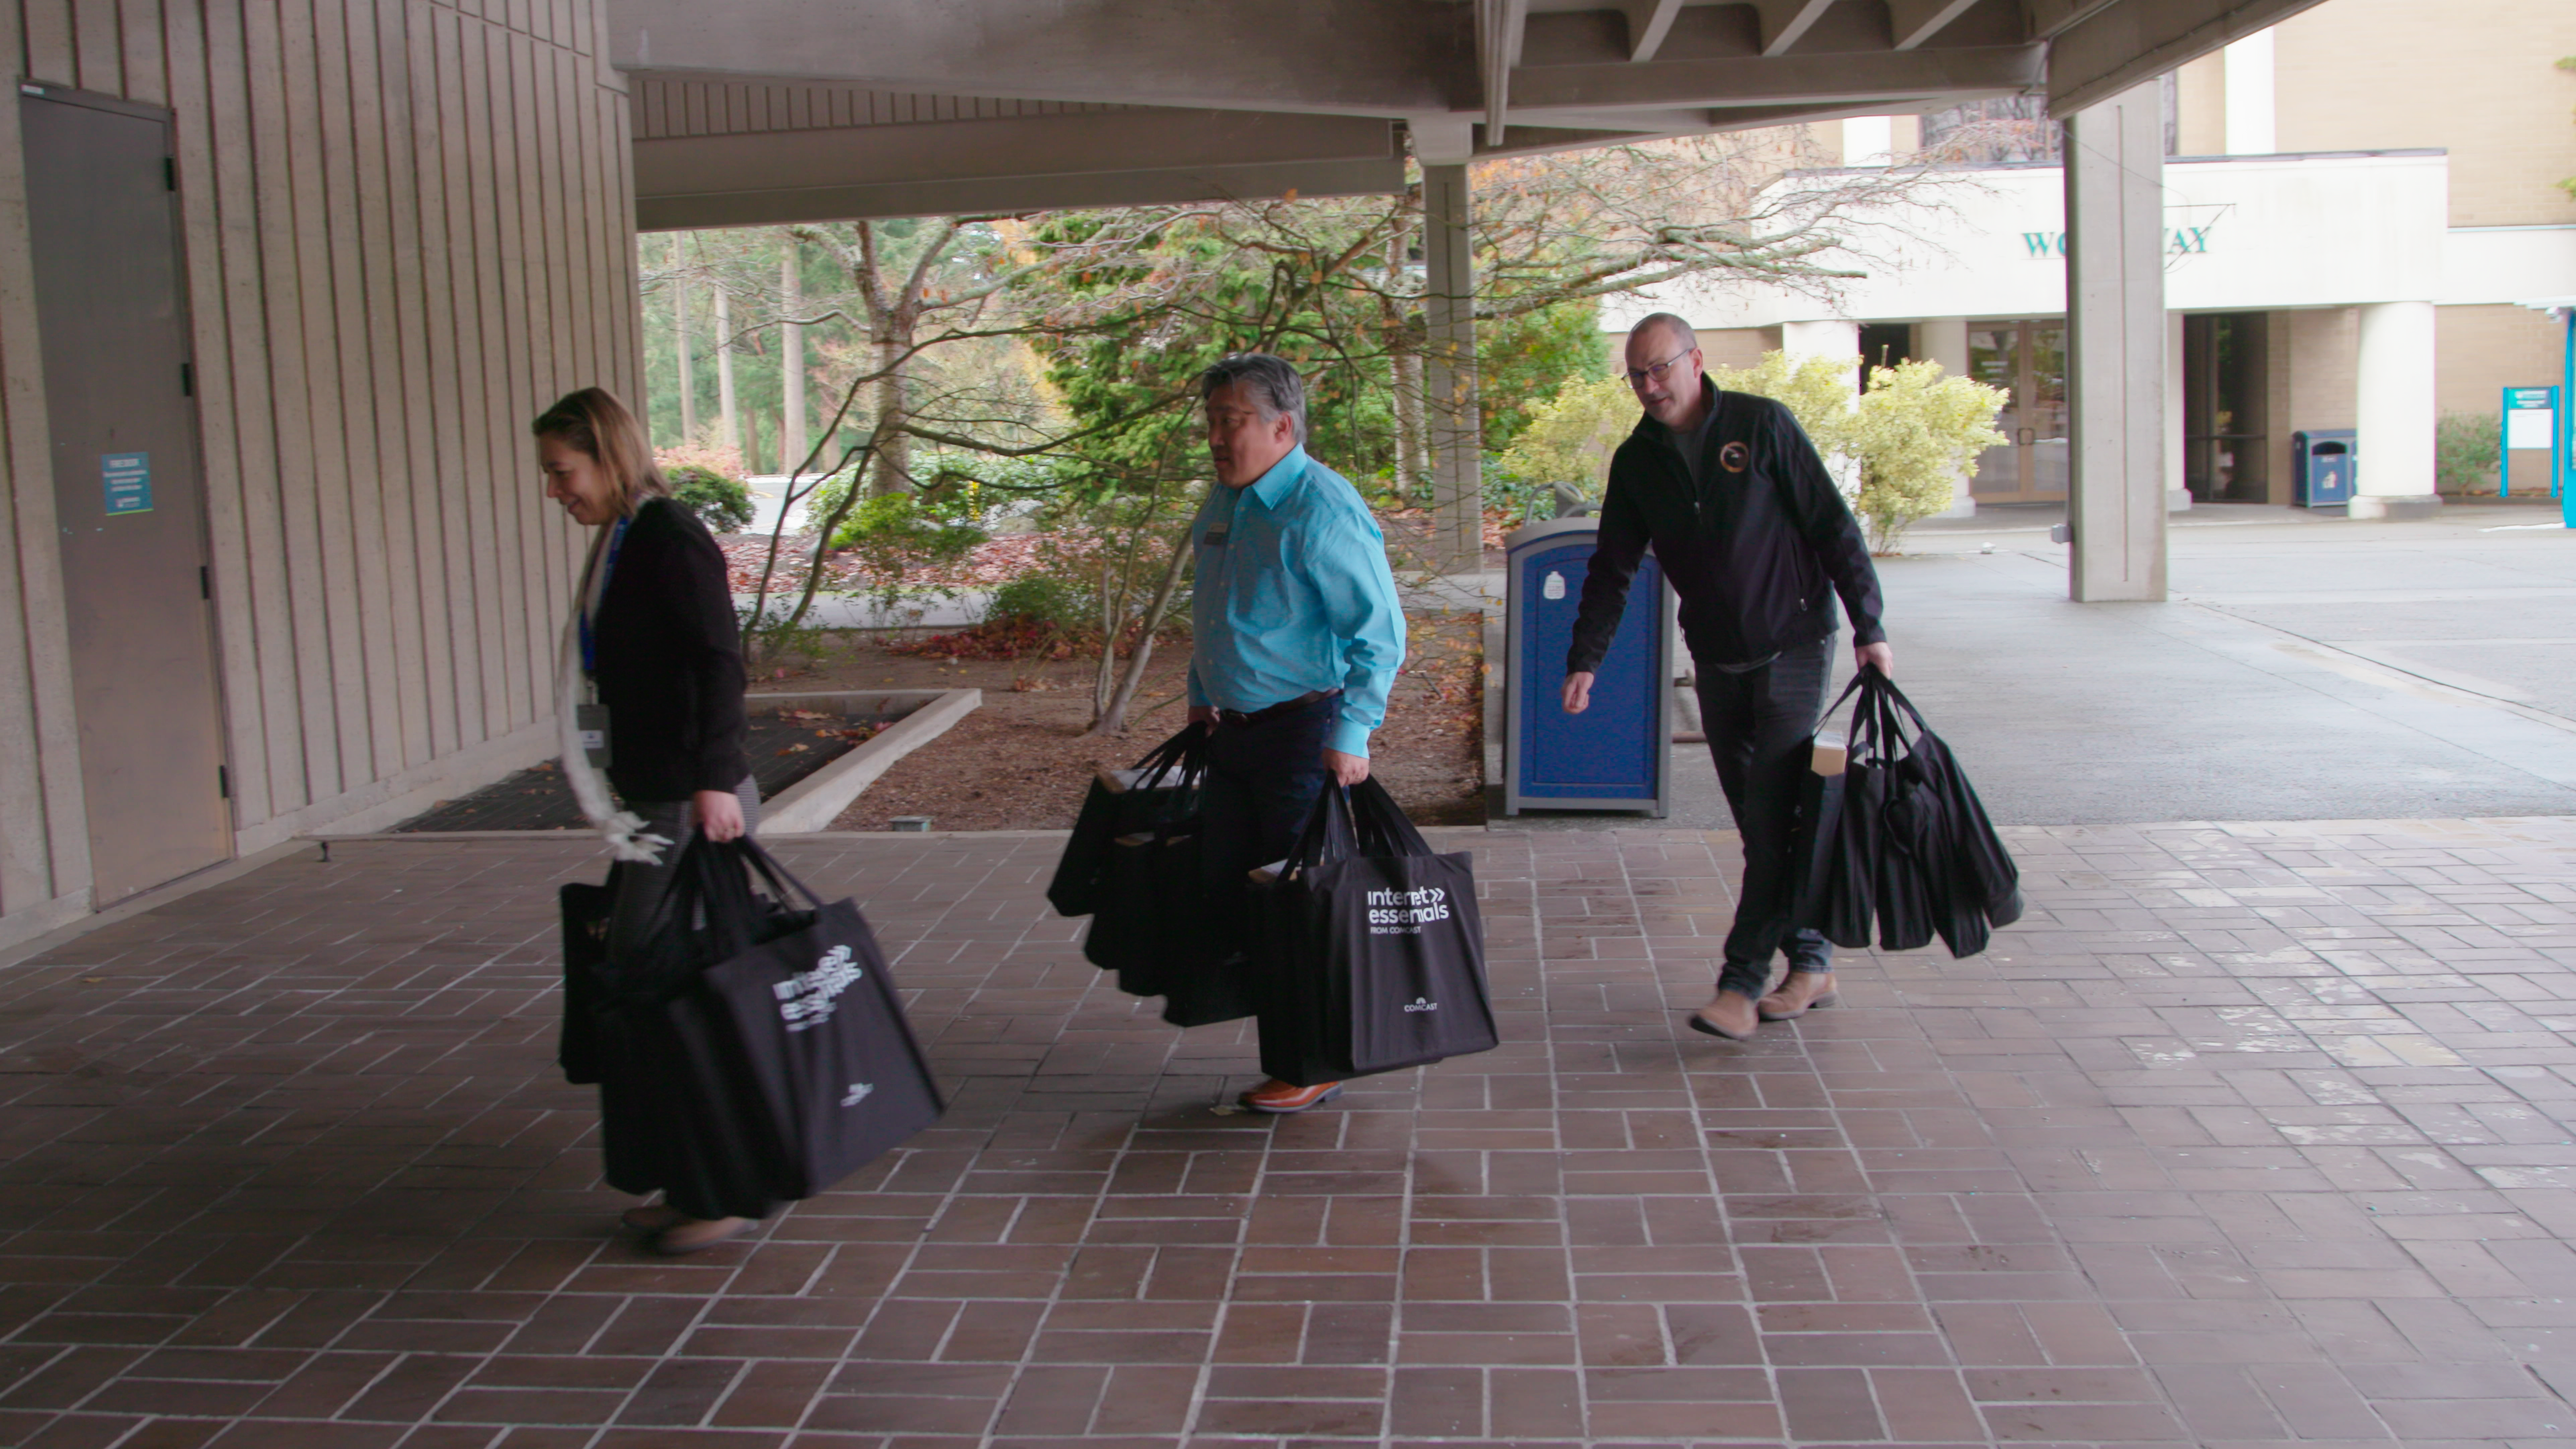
x=205, y=583
x=170, y=172
x=223, y=782
x=187, y=379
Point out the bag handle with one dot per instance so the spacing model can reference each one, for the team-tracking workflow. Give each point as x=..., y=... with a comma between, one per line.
x=1330, y=834
x=1349, y=820
x=1878, y=719
x=1896, y=701
x=1185, y=751
x=708, y=890
x=1384, y=829
x=782, y=881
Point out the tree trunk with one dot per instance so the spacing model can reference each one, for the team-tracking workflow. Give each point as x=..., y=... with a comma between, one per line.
x=895, y=472
x=688, y=379
x=1113, y=611
x=792, y=441
x=1113, y=717
x=1404, y=358
x=728, y=420
x=1412, y=439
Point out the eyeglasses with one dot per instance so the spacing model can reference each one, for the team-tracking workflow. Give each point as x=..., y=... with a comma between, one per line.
x=1640, y=376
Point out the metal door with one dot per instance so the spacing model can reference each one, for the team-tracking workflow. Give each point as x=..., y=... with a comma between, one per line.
x=101, y=215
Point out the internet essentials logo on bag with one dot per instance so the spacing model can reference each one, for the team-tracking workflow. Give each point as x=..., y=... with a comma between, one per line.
x=807, y=998
x=1405, y=913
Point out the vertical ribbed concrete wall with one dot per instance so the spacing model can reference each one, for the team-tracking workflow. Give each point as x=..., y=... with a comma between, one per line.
x=408, y=225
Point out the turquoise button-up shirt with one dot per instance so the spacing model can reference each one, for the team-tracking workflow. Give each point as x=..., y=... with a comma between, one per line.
x=1294, y=595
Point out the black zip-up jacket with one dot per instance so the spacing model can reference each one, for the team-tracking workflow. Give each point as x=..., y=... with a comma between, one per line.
x=668, y=661
x=1757, y=550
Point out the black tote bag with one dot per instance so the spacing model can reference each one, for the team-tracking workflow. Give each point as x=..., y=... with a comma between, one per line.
x=1199, y=986
x=1839, y=896
x=1120, y=937
x=1377, y=952
x=1912, y=854
x=1820, y=813
x=1979, y=885
x=812, y=1018
x=677, y=1115
x=584, y=909
x=1162, y=785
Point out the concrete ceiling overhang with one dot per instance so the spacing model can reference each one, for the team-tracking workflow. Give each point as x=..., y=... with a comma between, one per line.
x=769, y=111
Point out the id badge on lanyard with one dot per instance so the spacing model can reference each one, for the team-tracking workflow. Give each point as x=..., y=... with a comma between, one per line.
x=590, y=717
x=592, y=721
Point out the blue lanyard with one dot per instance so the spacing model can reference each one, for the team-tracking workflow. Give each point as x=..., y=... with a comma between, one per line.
x=607, y=567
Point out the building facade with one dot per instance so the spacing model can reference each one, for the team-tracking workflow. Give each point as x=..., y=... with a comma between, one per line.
x=2357, y=200
x=280, y=288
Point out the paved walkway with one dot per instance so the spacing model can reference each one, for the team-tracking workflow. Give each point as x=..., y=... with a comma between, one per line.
x=2306, y=668
x=2247, y=1136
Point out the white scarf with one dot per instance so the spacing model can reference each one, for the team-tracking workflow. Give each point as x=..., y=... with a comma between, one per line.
x=623, y=829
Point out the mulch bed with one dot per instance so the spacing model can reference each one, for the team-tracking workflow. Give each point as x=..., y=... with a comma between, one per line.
x=1023, y=761
x=785, y=748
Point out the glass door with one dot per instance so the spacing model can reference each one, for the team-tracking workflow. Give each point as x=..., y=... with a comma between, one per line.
x=2027, y=359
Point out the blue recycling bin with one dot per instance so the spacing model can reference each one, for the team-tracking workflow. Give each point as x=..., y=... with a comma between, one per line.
x=2321, y=467
x=1616, y=755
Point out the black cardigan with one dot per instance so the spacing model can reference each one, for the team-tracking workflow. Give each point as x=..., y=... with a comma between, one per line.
x=1757, y=549
x=668, y=661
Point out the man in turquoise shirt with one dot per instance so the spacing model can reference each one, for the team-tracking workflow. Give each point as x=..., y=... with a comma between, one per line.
x=1298, y=634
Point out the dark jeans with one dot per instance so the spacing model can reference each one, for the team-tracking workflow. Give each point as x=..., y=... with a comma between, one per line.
x=1263, y=780
x=1758, y=725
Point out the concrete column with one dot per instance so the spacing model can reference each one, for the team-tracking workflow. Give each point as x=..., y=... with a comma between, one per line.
x=1449, y=373
x=1840, y=341
x=1832, y=338
x=2393, y=408
x=1869, y=141
x=2252, y=129
x=791, y=367
x=2177, y=488
x=1945, y=340
x=2115, y=323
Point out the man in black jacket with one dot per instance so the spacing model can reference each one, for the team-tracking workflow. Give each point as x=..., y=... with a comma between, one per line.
x=1757, y=540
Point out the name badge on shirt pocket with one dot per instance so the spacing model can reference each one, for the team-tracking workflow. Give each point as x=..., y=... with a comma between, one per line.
x=591, y=721
x=1215, y=536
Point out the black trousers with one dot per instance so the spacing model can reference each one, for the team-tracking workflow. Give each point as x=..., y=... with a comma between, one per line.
x=1262, y=782
x=1758, y=724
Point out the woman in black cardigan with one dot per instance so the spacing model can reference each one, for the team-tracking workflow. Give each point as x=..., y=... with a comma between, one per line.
x=658, y=651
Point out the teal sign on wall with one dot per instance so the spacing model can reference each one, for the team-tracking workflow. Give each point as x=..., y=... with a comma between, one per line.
x=2180, y=241
x=128, y=478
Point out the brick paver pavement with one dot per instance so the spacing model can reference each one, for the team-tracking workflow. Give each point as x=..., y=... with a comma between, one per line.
x=2249, y=1135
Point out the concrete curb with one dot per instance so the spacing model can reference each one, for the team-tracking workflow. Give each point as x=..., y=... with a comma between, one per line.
x=811, y=804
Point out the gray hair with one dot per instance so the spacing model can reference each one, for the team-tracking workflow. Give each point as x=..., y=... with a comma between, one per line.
x=1269, y=381
x=1680, y=330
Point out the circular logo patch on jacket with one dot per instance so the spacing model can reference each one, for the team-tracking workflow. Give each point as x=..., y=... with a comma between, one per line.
x=1734, y=456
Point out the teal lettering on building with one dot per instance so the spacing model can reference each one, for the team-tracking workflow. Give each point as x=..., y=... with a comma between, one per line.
x=2180, y=241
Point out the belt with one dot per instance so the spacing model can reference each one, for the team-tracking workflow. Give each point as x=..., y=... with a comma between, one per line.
x=1285, y=706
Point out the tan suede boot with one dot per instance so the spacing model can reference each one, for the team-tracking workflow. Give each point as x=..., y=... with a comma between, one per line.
x=1803, y=992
